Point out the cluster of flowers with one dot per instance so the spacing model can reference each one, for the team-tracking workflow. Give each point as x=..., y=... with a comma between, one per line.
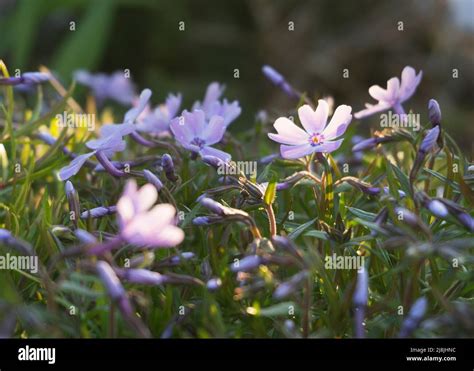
x=146, y=226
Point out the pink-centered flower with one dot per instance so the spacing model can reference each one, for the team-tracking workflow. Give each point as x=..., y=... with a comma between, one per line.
x=396, y=93
x=197, y=134
x=316, y=136
x=143, y=224
x=212, y=106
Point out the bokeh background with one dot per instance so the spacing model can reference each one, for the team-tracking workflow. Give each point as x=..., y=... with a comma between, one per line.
x=220, y=36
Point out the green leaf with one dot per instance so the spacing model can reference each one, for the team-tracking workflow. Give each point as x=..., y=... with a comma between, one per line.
x=362, y=214
x=402, y=178
x=280, y=309
x=297, y=231
x=318, y=234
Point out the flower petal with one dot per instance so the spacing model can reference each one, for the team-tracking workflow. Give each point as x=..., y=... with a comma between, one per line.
x=327, y=147
x=314, y=121
x=74, y=167
x=288, y=130
x=210, y=151
x=214, y=130
x=409, y=83
x=339, y=122
x=378, y=93
x=371, y=109
x=133, y=113
x=146, y=197
x=181, y=130
x=393, y=88
x=294, y=152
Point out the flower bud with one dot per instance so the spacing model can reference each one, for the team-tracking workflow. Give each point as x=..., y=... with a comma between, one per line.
x=246, y=264
x=153, y=179
x=168, y=167
x=434, y=112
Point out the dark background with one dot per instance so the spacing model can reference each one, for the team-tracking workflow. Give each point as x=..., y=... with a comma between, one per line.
x=328, y=36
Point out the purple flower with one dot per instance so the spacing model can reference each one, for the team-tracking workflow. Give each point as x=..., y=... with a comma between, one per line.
x=317, y=137
x=396, y=93
x=211, y=105
x=197, y=134
x=115, y=86
x=158, y=121
x=142, y=225
x=111, y=138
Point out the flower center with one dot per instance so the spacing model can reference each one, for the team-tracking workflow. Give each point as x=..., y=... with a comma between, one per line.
x=316, y=139
x=198, y=142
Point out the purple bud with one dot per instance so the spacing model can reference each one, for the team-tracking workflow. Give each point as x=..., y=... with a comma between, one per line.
x=110, y=280
x=213, y=284
x=98, y=212
x=417, y=311
x=212, y=206
x=85, y=237
x=406, y=216
x=70, y=191
x=5, y=234
x=277, y=79
x=168, y=167
x=35, y=77
x=434, y=112
x=466, y=220
x=267, y=159
x=273, y=75
x=141, y=276
x=361, y=292
x=201, y=221
x=429, y=140
x=246, y=264
x=365, y=144
x=153, y=179
x=437, y=208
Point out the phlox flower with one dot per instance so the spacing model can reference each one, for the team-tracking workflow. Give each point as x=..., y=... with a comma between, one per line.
x=316, y=136
x=197, y=134
x=110, y=139
x=211, y=105
x=143, y=224
x=396, y=93
x=158, y=120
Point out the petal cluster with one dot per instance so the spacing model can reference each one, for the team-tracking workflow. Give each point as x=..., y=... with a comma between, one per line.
x=317, y=136
x=397, y=92
x=143, y=224
x=196, y=133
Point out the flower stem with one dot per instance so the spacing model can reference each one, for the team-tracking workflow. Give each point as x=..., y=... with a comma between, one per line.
x=271, y=220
